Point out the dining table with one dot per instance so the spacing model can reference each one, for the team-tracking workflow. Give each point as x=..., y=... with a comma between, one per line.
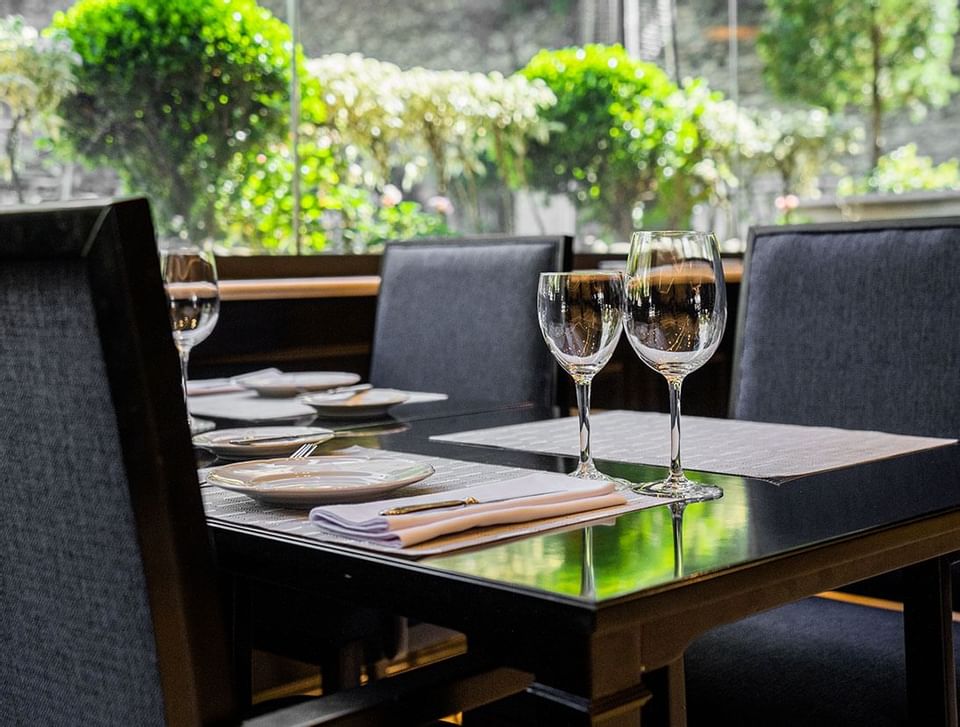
x=600, y=609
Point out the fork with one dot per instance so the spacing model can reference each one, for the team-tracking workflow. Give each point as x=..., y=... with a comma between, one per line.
x=304, y=450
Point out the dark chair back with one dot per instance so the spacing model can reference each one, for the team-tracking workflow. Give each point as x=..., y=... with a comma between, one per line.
x=852, y=325
x=460, y=317
x=107, y=608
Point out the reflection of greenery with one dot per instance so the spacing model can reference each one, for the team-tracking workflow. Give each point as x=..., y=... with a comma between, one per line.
x=635, y=553
x=170, y=92
x=903, y=171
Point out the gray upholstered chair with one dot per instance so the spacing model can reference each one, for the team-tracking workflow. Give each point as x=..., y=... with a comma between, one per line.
x=854, y=326
x=108, y=609
x=459, y=317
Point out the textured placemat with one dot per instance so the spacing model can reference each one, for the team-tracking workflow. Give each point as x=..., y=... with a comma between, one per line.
x=451, y=474
x=775, y=452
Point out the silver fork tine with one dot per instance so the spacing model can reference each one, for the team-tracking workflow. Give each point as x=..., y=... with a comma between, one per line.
x=304, y=450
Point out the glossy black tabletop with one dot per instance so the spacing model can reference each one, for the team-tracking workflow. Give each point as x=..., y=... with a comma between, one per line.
x=755, y=520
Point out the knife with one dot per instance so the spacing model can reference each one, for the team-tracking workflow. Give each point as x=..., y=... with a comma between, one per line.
x=421, y=507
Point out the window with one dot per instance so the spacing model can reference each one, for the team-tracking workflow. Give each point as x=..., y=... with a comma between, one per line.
x=462, y=116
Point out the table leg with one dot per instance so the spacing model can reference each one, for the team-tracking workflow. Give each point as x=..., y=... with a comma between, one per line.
x=668, y=706
x=928, y=639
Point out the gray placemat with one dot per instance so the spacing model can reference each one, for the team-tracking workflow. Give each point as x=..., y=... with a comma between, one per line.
x=234, y=508
x=775, y=452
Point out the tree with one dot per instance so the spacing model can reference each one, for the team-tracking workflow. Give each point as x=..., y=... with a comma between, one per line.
x=35, y=74
x=171, y=93
x=877, y=55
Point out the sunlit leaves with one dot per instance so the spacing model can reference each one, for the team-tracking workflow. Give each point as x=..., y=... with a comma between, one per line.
x=35, y=74
x=169, y=92
x=878, y=56
x=624, y=130
x=424, y=121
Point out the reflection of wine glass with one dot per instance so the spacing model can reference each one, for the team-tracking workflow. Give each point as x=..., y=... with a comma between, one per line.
x=190, y=279
x=676, y=515
x=675, y=313
x=588, y=576
x=581, y=319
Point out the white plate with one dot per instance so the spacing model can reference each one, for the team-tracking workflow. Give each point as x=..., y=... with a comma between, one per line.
x=317, y=480
x=291, y=384
x=370, y=403
x=246, y=442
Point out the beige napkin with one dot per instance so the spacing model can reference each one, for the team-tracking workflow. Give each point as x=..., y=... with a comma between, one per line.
x=533, y=497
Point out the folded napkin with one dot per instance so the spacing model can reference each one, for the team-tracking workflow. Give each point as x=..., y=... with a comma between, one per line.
x=201, y=387
x=531, y=497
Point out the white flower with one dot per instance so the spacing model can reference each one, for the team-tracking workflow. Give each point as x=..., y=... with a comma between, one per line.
x=391, y=196
x=441, y=205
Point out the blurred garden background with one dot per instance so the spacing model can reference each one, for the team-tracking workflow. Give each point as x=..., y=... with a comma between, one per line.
x=288, y=127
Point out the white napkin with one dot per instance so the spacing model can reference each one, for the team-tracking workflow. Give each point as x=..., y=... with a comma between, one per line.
x=533, y=497
x=202, y=387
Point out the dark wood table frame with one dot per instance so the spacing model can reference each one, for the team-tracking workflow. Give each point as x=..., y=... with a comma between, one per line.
x=594, y=657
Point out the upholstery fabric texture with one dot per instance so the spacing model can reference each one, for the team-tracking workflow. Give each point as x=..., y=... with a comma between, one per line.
x=815, y=662
x=854, y=329
x=460, y=318
x=72, y=594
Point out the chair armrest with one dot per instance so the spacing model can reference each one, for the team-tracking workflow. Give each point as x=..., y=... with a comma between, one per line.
x=422, y=695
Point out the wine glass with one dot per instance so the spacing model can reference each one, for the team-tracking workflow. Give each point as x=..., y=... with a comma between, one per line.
x=580, y=317
x=190, y=279
x=674, y=316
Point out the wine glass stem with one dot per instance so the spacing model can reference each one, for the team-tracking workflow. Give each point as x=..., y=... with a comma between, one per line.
x=583, y=411
x=184, y=352
x=676, y=470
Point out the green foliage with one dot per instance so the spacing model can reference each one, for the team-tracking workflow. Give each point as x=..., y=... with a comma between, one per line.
x=903, y=171
x=337, y=212
x=35, y=74
x=439, y=126
x=627, y=132
x=879, y=56
x=171, y=93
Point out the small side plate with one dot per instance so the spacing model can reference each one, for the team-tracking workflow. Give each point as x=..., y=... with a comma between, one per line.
x=364, y=404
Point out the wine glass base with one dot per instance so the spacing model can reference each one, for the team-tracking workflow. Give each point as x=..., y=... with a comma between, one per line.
x=199, y=426
x=680, y=488
x=589, y=472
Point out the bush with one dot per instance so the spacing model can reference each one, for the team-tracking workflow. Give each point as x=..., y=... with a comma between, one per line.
x=441, y=127
x=171, y=93
x=903, y=171
x=624, y=129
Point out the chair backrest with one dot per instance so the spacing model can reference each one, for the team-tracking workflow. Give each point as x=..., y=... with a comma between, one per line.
x=459, y=316
x=852, y=325
x=108, y=613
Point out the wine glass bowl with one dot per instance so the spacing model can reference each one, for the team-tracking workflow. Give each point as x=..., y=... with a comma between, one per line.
x=193, y=297
x=675, y=312
x=580, y=316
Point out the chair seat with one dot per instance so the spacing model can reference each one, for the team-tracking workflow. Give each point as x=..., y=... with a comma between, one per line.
x=848, y=669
